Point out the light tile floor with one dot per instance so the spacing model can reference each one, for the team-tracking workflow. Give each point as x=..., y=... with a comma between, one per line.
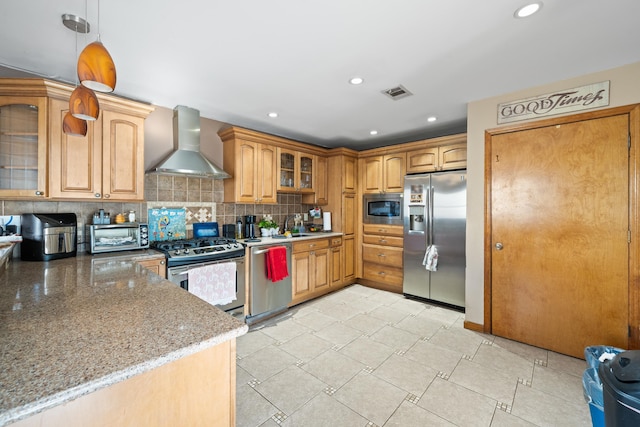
x=365, y=357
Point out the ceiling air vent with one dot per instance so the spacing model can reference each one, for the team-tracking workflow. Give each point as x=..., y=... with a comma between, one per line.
x=397, y=92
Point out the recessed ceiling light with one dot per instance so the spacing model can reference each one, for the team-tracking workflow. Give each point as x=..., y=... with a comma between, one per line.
x=373, y=132
x=528, y=10
x=432, y=119
x=273, y=114
x=356, y=80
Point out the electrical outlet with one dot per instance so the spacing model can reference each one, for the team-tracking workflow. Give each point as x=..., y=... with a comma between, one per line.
x=305, y=216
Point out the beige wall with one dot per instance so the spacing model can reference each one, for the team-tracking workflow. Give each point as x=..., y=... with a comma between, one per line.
x=482, y=115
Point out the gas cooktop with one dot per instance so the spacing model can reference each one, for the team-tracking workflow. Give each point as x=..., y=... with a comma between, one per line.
x=198, y=250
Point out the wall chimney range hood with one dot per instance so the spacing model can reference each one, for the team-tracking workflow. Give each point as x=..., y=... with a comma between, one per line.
x=187, y=159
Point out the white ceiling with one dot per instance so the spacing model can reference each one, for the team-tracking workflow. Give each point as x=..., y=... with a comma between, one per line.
x=236, y=61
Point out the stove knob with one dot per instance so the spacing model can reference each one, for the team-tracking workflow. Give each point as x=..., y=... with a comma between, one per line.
x=177, y=252
x=186, y=250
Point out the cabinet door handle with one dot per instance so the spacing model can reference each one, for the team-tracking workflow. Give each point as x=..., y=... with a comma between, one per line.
x=97, y=195
x=39, y=193
x=106, y=196
x=162, y=262
x=312, y=253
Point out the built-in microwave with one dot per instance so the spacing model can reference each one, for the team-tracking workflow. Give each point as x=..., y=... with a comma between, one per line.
x=383, y=208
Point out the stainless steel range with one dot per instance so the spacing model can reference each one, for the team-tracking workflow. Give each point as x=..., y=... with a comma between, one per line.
x=185, y=255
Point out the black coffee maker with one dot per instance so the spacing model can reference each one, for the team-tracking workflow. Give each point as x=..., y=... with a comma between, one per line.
x=250, y=227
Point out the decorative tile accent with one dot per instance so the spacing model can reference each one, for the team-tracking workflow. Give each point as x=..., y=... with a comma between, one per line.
x=426, y=338
x=278, y=343
x=540, y=362
x=487, y=342
x=467, y=357
x=524, y=381
x=299, y=363
x=279, y=417
x=330, y=390
x=254, y=383
x=503, y=407
x=443, y=375
x=368, y=369
x=336, y=347
x=400, y=352
x=371, y=424
x=412, y=398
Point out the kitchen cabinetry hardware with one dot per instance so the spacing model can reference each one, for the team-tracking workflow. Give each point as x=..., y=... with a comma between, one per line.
x=499, y=246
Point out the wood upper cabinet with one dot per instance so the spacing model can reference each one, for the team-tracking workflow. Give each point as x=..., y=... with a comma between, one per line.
x=349, y=175
x=432, y=159
x=23, y=146
x=106, y=164
x=296, y=171
x=253, y=172
x=383, y=174
x=319, y=196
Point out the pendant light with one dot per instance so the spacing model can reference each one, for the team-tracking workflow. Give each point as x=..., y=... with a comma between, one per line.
x=96, y=69
x=72, y=125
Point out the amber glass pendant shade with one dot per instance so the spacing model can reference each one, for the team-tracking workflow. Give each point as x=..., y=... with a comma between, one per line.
x=96, y=69
x=83, y=104
x=74, y=126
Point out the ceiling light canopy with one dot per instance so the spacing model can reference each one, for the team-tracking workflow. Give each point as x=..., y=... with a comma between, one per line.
x=273, y=114
x=432, y=119
x=528, y=9
x=373, y=132
x=356, y=80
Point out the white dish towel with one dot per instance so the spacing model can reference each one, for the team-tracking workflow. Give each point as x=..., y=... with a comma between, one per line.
x=215, y=283
x=430, y=260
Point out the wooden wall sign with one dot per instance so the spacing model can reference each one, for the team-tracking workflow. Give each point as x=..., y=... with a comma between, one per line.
x=551, y=104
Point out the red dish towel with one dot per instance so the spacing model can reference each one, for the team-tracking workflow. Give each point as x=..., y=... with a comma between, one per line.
x=277, y=263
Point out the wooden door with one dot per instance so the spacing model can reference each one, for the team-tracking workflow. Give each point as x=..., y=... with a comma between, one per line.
x=394, y=171
x=122, y=156
x=266, y=173
x=335, y=266
x=75, y=161
x=559, y=229
x=371, y=168
x=319, y=262
x=300, y=274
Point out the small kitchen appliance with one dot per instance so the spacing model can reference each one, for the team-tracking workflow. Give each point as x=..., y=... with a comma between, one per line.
x=117, y=237
x=250, y=227
x=48, y=236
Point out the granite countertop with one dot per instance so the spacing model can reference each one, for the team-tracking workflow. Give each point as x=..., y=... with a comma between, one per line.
x=305, y=236
x=71, y=326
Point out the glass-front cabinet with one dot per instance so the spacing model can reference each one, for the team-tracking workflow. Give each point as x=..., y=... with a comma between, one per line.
x=295, y=171
x=23, y=149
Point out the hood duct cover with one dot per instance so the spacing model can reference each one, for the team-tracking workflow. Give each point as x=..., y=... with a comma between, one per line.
x=187, y=159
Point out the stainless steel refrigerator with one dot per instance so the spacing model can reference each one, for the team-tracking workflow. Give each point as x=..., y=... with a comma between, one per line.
x=434, y=217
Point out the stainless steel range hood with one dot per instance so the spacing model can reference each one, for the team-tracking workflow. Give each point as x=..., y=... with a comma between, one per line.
x=187, y=159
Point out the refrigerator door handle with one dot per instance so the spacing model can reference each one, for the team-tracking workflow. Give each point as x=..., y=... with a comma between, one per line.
x=429, y=211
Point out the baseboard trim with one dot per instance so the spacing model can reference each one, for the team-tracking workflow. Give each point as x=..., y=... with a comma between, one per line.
x=476, y=327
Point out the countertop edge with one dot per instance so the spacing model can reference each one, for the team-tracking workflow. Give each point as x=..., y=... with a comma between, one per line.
x=33, y=408
x=308, y=236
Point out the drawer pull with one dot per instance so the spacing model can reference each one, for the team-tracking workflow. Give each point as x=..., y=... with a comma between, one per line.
x=381, y=255
x=382, y=241
x=381, y=273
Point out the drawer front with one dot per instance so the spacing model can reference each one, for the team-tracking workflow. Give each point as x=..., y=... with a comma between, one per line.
x=383, y=240
x=310, y=245
x=385, y=230
x=382, y=255
x=382, y=273
x=335, y=241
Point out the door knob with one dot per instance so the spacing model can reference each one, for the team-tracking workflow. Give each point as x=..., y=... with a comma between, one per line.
x=499, y=246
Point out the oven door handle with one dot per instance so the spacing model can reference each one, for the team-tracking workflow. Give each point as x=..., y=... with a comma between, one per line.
x=186, y=271
x=264, y=251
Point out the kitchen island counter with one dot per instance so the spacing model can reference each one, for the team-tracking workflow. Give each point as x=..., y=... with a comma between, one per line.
x=70, y=327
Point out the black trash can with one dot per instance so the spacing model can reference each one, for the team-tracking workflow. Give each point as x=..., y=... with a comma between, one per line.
x=620, y=378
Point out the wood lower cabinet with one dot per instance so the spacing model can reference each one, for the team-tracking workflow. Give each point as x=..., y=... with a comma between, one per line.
x=253, y=171
x=199, y=389
x=156, y=264
x=310, y=269
x=382, y=256
x=335, y=261
x=348, y=260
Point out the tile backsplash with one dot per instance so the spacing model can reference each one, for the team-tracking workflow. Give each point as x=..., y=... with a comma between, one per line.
x=203, y=199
